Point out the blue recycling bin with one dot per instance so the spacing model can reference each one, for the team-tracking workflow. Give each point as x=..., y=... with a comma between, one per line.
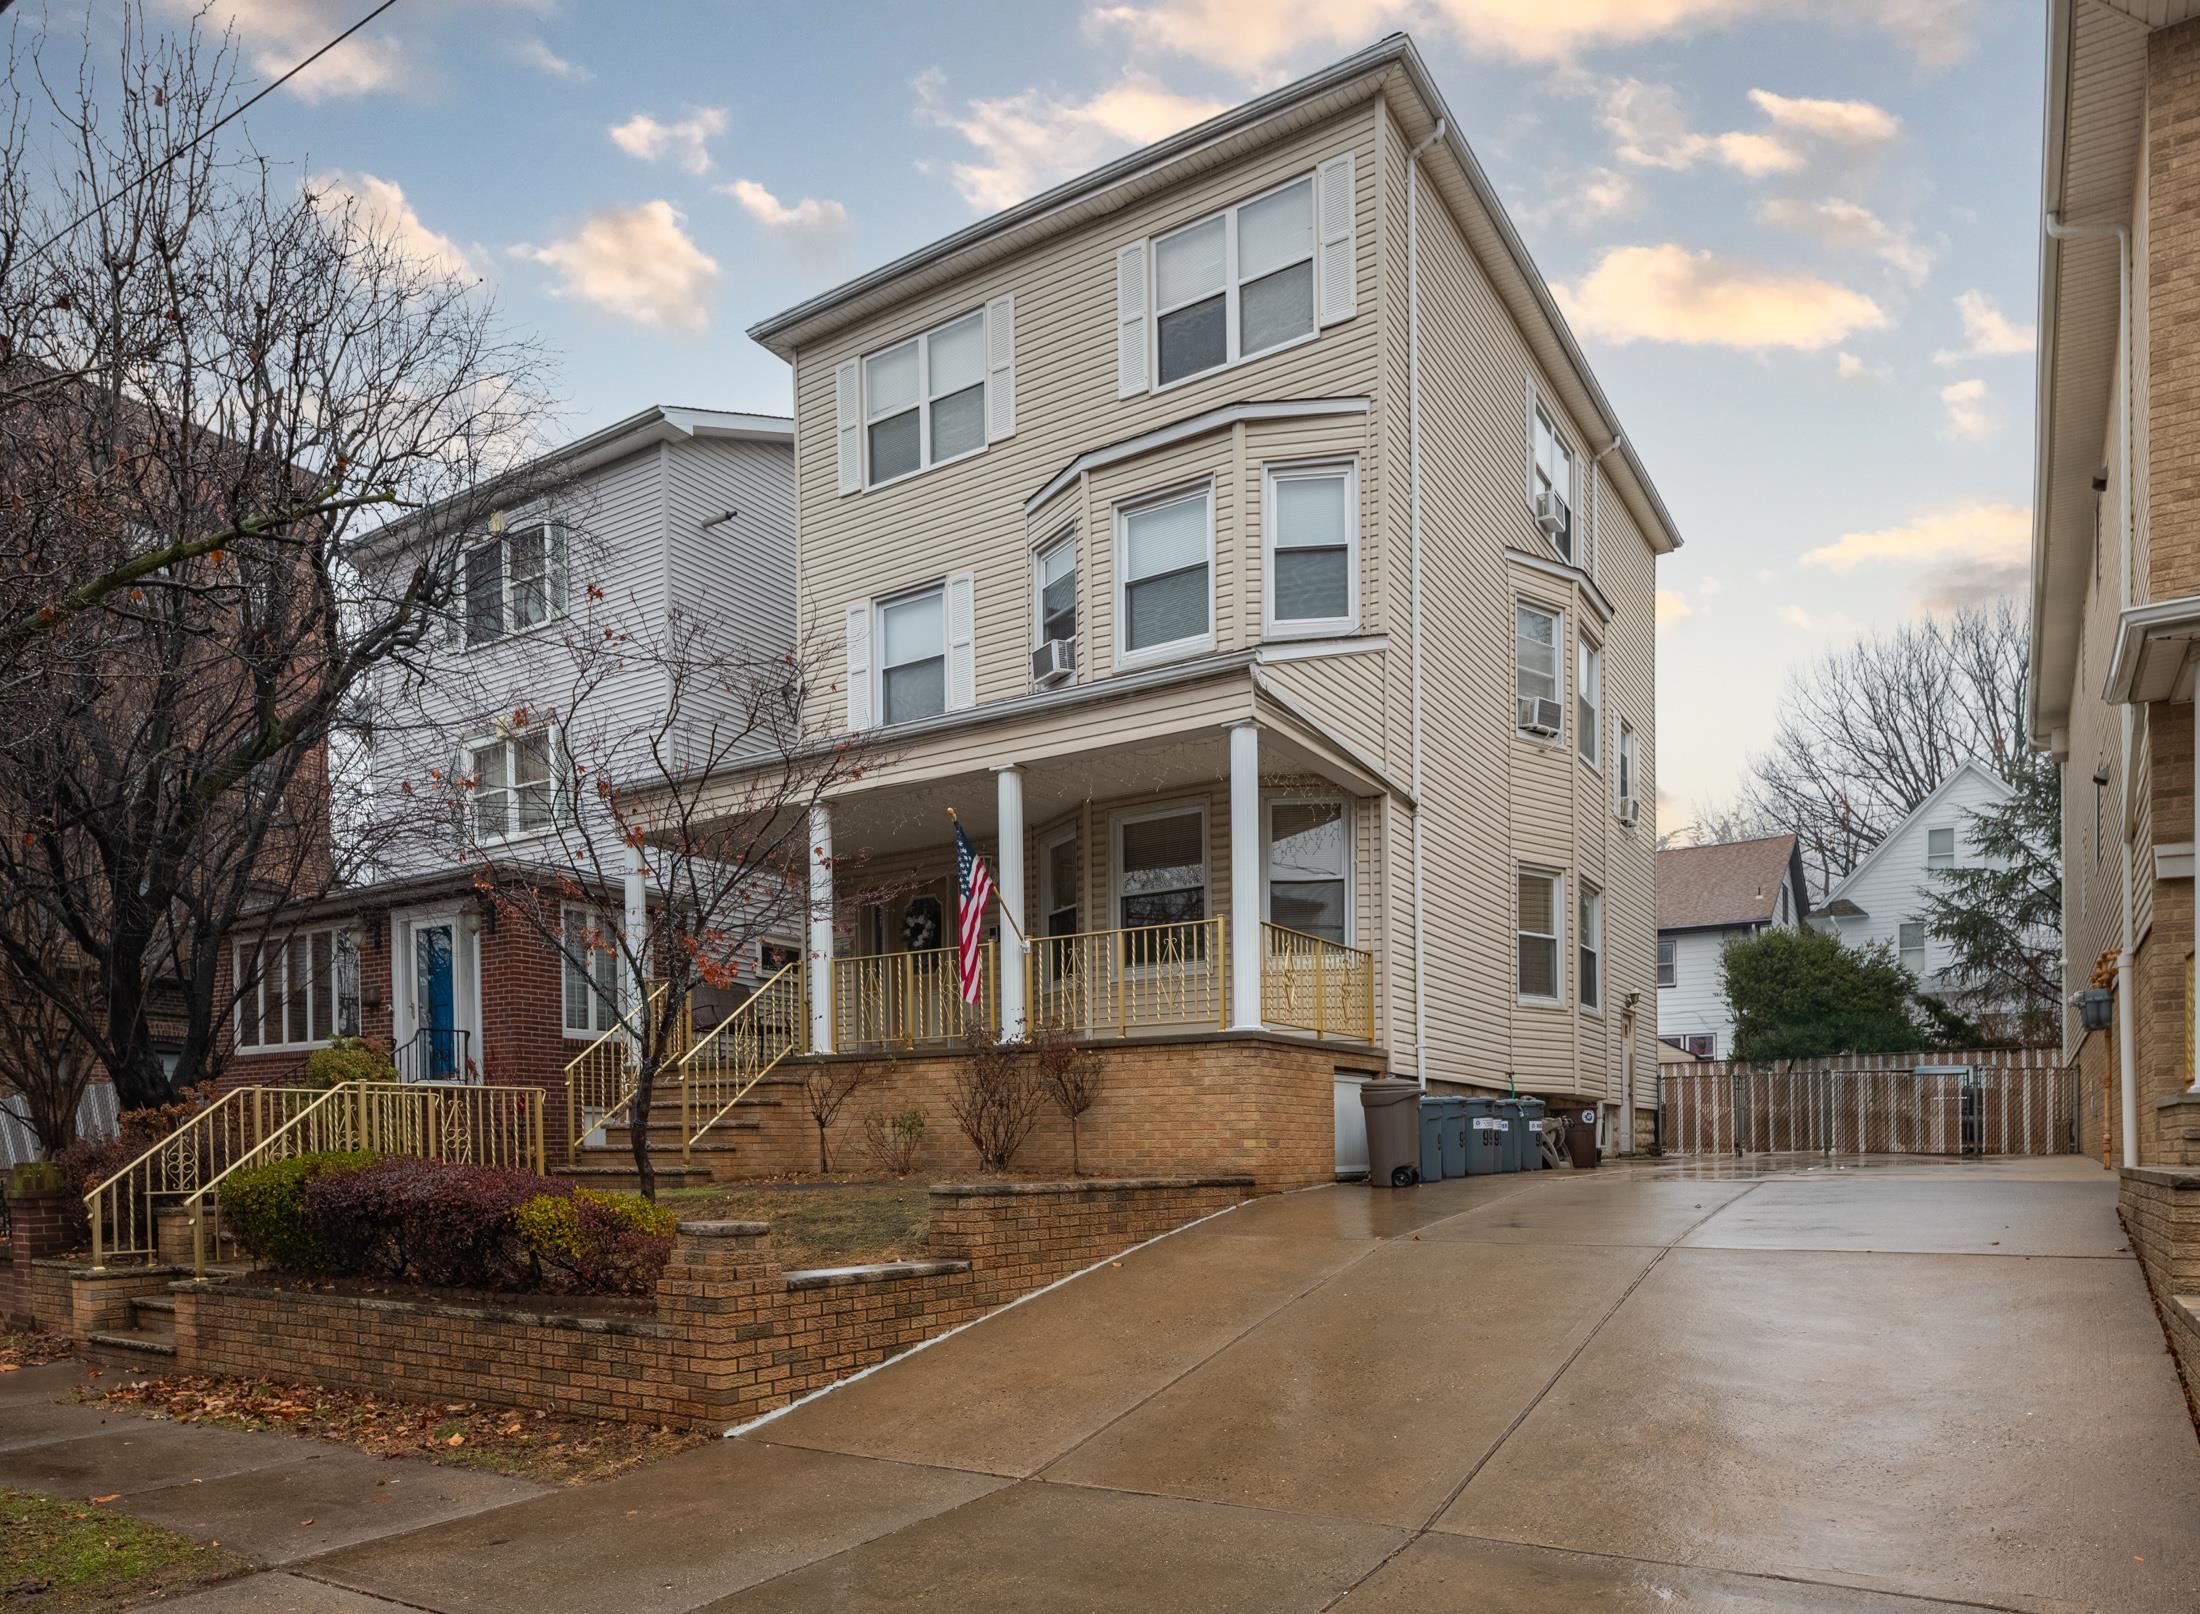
x=1507, y=1110
x=1432, y=1145
x=1531, y=1134
x=1454, y=1111
x=1484, y=1136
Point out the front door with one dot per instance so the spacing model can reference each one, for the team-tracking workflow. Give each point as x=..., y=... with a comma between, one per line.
x=434, y=1045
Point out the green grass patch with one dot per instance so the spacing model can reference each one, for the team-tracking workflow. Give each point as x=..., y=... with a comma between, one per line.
x=79, y=1557
x=838, y=1225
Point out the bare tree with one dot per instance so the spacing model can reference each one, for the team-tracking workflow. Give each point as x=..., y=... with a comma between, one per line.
x=996, y=1097
x=1071, y=1074
x=212, y=377
x=825, y=1089
x=43, y=1057
x=1866, y=733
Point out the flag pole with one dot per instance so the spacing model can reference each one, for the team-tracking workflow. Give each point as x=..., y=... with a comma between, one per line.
x=1021, y=940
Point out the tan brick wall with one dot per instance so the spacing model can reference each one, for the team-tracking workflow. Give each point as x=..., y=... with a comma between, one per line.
x=2097, y=1096
x=2161, y=1215
x=2173, y=300
x=731, y=1335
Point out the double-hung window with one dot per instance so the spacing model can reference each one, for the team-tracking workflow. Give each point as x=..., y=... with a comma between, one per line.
x=301, y=990
x=1058, y=883
x=1668, y=964
x=1054, y=591
x=1589, y=929
x=1234, y=285
x=912, y=636
x=514, y=582
x=1551, y=482
x=1538, y=927
x=1313, y=519
x=924, y=400
x=1589, y=704
x=1940, y=849
x=1309, y=851
x=1536, y=678
x=1161, y=868
x=1910, y=941
x=591, y=972
x=1165, y=596
x=514, y=788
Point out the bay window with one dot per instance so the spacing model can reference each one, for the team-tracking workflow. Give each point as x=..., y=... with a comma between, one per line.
x=1054, y=591
x=1536, y=680
x=1589, y=704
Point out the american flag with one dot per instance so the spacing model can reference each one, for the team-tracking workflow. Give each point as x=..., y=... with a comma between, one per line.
x=975, y=882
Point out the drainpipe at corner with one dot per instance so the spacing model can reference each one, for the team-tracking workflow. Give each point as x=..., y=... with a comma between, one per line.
x=1413, y=416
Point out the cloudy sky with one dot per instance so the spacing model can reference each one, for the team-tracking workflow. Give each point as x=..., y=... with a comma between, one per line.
x=1796, y=238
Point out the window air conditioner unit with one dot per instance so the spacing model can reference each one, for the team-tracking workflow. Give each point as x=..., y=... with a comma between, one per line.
x=1630, y=810
x=1551, y=514
x=1054, y=662
x=1540, y=716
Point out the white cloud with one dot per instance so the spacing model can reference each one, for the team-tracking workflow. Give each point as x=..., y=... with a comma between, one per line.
x=1582, y=199
x=1850, y=123
x=276, y=35
x=687, y=141
x=1851, y=368
x=1031, y=140
x=1650, y=128
x=1963, y=553
x=813, y=225
x=1938, y=33
x=1670, y=294
x=380, y=205
x=1987, y=332
x=637, y=263
x=1709, y=588
x=532, y=51
x=1795, y=616
x=1672, y=607
x=1848, y=225
x=1968, y=414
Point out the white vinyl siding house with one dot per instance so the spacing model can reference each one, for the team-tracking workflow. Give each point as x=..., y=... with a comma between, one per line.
x=1708, y=898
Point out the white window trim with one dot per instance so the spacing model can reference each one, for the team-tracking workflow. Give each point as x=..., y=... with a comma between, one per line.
x=867, y=418
x=1561, y=894
x=1626, y=763
x=1229, y=215
x=601, y=921
x=1940, y=829
x=1310, y=627
x=1175, y=649
x=1924, y=947
x=239, y=1048
x=1049, y=899
x=878, y=650
x=1166, y=809
x=1065, y=539
x=1594, y=894
x=1663, y=943
x=557, y=592
x=1557, y=614
x=1287, y=798
x=1539, y=412
x=1586, y=650
x=470, y=749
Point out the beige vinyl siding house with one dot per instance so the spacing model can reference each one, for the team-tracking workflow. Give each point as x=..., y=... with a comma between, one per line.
x=1198, y=369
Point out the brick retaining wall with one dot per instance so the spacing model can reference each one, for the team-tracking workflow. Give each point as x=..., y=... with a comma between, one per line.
x=731, y=1335
x=2161, y=1214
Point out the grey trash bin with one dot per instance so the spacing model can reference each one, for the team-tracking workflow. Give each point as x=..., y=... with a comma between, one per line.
x=1432, y=1141
x=1393, y=1114
x=1454, y=1112
x=1531, y=1134
x=1507, y=1110
x=1485, y=1136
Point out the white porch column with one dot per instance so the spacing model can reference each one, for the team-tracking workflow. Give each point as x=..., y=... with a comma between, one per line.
x=1009, y=863
x=819, y=965
x=637, y=927
x=1245, y=875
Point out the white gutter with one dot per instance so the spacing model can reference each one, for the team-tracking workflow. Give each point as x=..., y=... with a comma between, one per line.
x=2127, y=1054
x=1413, y=455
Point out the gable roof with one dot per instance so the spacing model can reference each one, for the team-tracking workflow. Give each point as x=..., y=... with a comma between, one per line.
x=1970, y=768
x=1391, y=67
x=1733, y=883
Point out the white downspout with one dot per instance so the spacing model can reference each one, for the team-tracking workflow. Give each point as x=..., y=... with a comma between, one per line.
x=2127, y=1054
x=1413, y=413
x=1627, y=1016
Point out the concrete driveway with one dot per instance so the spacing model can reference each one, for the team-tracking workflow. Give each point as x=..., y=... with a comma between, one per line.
x=1773, y=1387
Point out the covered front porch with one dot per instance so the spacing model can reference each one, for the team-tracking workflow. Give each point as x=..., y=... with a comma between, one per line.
x=1225, y=878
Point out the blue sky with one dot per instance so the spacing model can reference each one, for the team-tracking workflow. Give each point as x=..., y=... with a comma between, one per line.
x=1796, y=239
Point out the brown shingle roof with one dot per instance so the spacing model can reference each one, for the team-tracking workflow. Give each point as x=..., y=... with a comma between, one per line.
x=1736, y=883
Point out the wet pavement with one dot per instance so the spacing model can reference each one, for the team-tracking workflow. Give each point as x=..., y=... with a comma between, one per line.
x=1742, y=1386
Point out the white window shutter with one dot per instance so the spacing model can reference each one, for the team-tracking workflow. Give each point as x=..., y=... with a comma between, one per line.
x=1335, y=207
x=1000, y=369
x=859, y=666
x=848, y=427
x=962, y=641
x=1130, y=320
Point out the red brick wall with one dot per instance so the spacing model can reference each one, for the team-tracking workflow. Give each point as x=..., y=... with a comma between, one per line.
x=38, y=1227
x=732, y=1336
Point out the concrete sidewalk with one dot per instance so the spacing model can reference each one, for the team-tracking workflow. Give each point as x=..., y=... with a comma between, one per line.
x=1727, y=1386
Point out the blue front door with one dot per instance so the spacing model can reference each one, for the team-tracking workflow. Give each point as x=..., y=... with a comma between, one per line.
x=435, y=1002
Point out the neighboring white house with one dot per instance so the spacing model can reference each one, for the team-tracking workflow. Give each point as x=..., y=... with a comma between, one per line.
x=1884, y=898
x=1709, y=896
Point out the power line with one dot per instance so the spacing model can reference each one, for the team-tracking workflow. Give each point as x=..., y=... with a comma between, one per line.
x=211, y=129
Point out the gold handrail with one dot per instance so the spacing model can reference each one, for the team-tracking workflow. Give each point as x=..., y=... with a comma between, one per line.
x=897, y=1000
x=601, y=1076
x=1311, y=983
x=1113, y=982
x=741, y=1050
x=123, y=1210
x=455, y=1121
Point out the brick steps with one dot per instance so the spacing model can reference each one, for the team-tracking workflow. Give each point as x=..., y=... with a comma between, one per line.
x=149, y=1343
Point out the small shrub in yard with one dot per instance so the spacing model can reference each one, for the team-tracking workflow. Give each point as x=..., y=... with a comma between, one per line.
x=596, y=1243
x=427, y=1221
x=265, y=1207
x=1072, y=1076
x=893, y=1140
x=996, y=1099
x=348, y=1059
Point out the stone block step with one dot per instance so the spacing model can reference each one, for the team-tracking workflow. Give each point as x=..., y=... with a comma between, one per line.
x=139, y=1348
x=164, y=1305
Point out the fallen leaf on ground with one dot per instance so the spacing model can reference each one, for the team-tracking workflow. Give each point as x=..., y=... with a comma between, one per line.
x=102, y=1501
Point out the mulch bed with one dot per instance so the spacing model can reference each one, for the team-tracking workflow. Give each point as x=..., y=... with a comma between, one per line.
x=549, y=1447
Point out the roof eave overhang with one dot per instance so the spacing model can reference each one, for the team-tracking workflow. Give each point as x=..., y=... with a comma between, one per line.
x=2157, y=649
x=2047, y=698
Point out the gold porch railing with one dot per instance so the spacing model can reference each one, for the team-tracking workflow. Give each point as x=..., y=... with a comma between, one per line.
x=1312, y=984
x=599, y=1080
x=124, y=1210
x=897, y=1000
x=740, y=1051
x=1113, y=982
x=454, y=1121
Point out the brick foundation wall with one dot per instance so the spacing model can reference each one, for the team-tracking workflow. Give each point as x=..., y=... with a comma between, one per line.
x=38, y=1228
x=731, y=1335
x=1253, y=1105
x=2161, y=1215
